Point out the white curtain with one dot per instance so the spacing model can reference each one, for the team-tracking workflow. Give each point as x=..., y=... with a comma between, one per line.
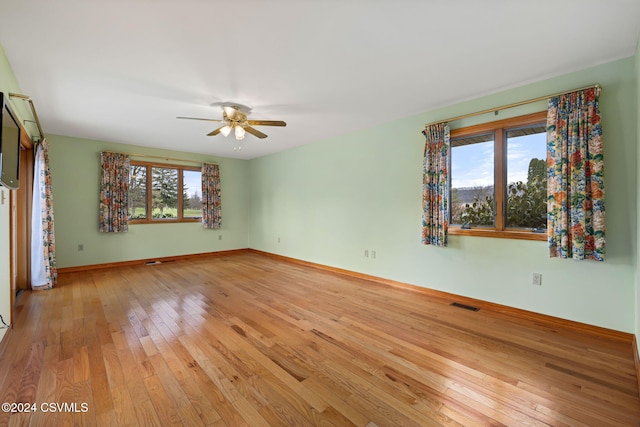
x=43, y=260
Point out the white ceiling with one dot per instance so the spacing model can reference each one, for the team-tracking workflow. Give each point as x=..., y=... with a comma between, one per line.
x=122, y=70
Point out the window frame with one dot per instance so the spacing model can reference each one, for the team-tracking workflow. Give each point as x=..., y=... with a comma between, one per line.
x=499, y=129
x=149, y=195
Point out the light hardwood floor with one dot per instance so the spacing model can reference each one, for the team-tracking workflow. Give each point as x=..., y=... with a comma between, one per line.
x=245, y=339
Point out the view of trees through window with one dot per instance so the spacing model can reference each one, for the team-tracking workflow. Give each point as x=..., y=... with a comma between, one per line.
x=138, y=192
x=523, y=194
x=159, y=187
x=472, y=177
x=192, y=189
x=164, y=193
x=527, y=178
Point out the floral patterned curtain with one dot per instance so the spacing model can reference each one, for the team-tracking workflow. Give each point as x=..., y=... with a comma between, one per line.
x=211, y=210
x=114, y=189
x=575, y=177
x=44, y=274
x=435, y=185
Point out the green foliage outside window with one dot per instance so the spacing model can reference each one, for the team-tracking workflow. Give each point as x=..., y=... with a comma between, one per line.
x=526, y=202
x=138, y=192
x=164, y=192
x=164, y=184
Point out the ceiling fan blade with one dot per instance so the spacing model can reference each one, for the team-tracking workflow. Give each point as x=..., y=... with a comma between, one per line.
x=232, y=113
x=197, y=118
x=266, y=123
x=215, y=132
x=255, y=132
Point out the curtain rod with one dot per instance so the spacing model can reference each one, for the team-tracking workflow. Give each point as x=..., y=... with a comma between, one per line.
x=515, y=104
x=167, y=158
x=33, y=110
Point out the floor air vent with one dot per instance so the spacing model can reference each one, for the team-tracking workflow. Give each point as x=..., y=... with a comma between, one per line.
x=466, y=307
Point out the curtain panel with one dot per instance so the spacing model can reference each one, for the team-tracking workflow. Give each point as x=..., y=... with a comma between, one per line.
x=435, y=185
x=114, y=192
x=211, y=206
x=575, y=177
x=44, y=274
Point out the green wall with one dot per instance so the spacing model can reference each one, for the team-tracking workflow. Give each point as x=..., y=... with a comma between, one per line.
x=75, y=171
x=330, y=201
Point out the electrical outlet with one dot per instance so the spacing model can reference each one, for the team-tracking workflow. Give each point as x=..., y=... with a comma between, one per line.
x=536, y=279
x=373, y=254
x=366, y=253
x=80, y=247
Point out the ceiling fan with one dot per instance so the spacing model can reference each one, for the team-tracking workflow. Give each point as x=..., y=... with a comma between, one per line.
x=236, y=120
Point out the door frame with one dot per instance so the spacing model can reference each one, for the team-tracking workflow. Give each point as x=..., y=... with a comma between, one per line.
x=20, y=202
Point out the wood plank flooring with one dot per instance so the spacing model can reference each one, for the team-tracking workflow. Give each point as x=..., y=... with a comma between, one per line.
x=248, y=340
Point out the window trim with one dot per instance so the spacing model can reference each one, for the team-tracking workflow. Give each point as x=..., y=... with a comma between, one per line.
x=499, y=129
x=180, y=209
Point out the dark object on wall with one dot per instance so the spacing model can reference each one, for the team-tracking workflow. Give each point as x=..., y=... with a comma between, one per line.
x=9, y=146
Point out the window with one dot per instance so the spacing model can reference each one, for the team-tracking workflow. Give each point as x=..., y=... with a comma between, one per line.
x=164, y=193
x=191, y=190
x=498, y=179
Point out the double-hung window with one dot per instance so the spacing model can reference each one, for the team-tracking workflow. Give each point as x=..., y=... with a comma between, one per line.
x=498, y=179
x=164, y=193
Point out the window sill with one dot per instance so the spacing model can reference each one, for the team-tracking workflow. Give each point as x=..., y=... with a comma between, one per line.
x=163, y=221
x=503, y=234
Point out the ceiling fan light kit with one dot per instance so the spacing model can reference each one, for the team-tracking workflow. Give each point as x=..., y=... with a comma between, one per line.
x=239, y=132
x=225, y=130
x=236, y=120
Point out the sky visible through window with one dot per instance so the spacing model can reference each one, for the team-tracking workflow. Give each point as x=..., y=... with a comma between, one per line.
x=472, y=165
x=520, y=151
x=192, y=182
